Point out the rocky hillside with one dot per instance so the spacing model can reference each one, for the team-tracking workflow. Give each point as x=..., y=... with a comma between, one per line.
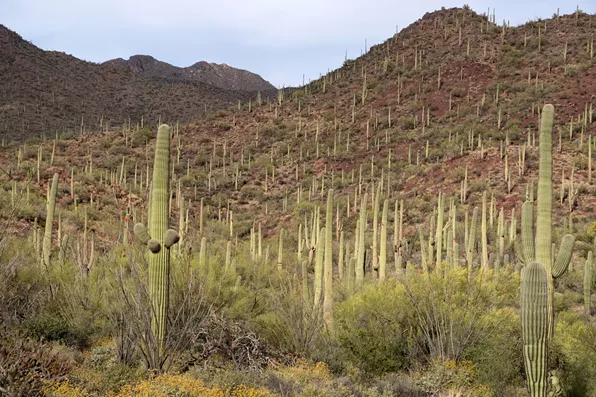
x=43, y=92
x=451, y=92
x=222, y=76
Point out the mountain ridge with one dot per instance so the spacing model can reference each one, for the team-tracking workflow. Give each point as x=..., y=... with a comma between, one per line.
x=44, y=92
x=219, y=75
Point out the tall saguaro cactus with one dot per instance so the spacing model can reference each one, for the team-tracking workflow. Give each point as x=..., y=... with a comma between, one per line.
x=534, y=317
x=328, y=266
x=47, y=237
x=361, y=231
x=383, y=254
x=538, y=247
x=159, y=238
x=588, y=270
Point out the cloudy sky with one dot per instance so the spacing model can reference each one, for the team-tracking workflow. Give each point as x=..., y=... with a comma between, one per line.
x=278, y=39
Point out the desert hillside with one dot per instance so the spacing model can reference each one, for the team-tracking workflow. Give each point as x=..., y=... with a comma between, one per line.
x=417, y=222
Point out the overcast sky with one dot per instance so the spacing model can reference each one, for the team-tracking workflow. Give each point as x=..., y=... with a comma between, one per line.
x=278, y=39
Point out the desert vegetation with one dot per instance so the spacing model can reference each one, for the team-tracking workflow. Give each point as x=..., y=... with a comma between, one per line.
x=418, y=222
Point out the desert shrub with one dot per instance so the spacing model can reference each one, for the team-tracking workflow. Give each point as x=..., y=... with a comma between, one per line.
x=142, y=136
x=26, y=365
x=573, y=353
x=592, y=230
x=469, y=308
x=292, y=325
x=497, y=356
x=21, y=287
x=169, y=385
x=451, y=378
x=372, y=328
x=221, y=340
x=52, y=327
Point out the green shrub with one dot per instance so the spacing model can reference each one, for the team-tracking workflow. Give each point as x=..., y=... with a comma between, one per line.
x=573, y=353
x=372, y=328
x=498, y=355
x=52, y=327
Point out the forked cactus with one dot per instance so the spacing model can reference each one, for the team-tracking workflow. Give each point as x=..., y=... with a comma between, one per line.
x=159, y=238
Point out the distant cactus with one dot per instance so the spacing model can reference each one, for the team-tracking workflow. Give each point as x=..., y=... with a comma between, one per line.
x=319, y=257
x=328, y=266
x=159, y=238
x=588, y=271
x=471, y=241
x=361, y=230
x=383, y=249
x=280, y=250
x=47, y=237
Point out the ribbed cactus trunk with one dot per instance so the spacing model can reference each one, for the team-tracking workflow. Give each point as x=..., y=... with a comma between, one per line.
x=328, y=267
x=159, y=239
x=539, y=247
x=471, y=241
x=159, y=264
x=47, y=236
x=588, y=270
x=439, y=233
x=383, y=253
x=361, y=230
x=483, y=233
x=319, y=258
x=544, y=199
x=534, y=317
x=376, y=203
x=280, y=250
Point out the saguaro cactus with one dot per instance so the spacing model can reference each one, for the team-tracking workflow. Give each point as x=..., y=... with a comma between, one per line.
x=328, y=266
x=588, y=270
x=319, y=257
x=539, y=247
x=471, y=242
x=159, y=238
x=534, y=317
x=383, y=254
x=47, y=237
x=361, y=231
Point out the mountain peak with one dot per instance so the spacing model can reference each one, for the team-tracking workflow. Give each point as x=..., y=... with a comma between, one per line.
x=219, y=75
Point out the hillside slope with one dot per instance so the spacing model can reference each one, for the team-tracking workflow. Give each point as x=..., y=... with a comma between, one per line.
x=343, y=128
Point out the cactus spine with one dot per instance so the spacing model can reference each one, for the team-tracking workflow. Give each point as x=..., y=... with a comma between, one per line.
x=534, y=317
x=47, y=236
x=159, y=239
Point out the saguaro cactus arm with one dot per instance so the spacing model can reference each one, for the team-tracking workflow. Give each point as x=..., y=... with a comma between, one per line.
x=527, y=232
x=564, y=257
